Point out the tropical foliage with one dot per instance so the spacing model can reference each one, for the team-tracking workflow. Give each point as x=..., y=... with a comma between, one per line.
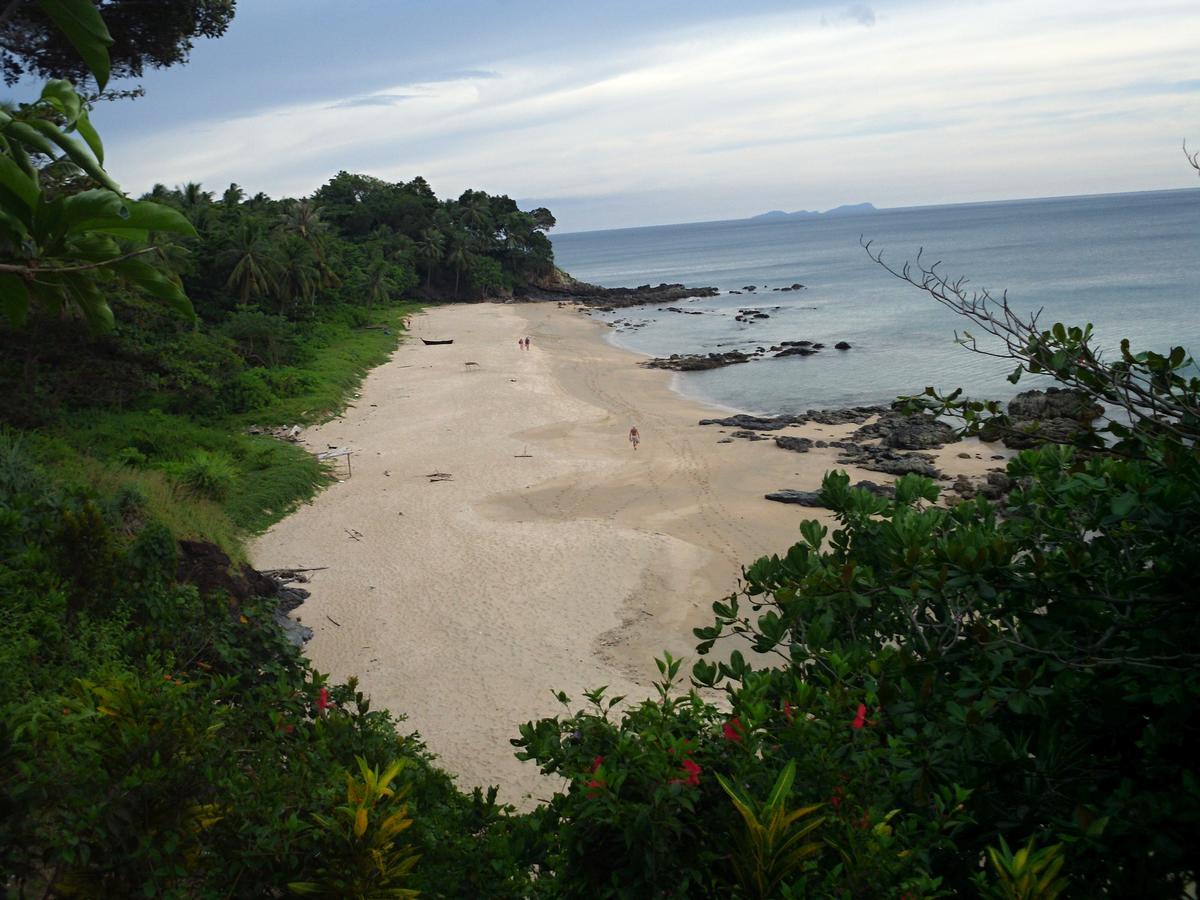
x=932, y=684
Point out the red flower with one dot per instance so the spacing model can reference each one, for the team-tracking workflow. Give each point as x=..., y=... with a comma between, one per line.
x=693, y=770
x=836, y=800
x=322, y=701
x=597, y=763
x=734, y=730
x=787, y=710
x=861, y=718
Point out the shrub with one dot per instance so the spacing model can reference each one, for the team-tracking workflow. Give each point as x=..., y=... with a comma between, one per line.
x=248, y=391
x=206, y=475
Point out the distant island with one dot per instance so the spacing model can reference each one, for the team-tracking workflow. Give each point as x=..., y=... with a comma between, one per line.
x=849, y=209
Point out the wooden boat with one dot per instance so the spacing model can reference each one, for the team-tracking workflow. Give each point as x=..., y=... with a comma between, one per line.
x=424, y=341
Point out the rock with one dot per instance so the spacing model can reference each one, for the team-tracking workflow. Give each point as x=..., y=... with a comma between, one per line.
x=920, y=431
x=797, y=286
x=821, y=444
x=880, y=490
x=727, y=440
x=1038, y=417
x=855, y=415
x=1054, y=403
x=884, y=459
x=841, y=345
x=803, y=498
x=749, y=287
x=562, y=287
x=750, y=436
x=964, y=456
x=798, y=444
x=694, y=362
x=796, y=351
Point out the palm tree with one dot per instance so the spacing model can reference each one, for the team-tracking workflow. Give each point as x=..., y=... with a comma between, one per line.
x=379, y=287
x=458, y=258
x=430, y=248
x=299, y=276
x=303, y=219
x=255, y=268
x=233, y=196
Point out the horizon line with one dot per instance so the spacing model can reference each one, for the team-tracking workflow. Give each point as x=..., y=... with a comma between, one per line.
x=878, y=209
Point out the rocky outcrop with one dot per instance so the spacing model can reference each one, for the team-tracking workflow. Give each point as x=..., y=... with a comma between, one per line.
x=885, y=459
x=813, y=498
x=798, y=444
x=854, y=415
x=801, y=498
x=563, y=287
x=695, y=362
x=919, y=431
x=1053, y=416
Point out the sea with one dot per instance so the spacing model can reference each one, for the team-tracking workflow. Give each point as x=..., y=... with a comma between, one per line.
x=1129, y=264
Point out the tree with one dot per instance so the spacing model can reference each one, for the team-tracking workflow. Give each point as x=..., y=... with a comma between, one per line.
x=30, y=42
x=430, y=248
x=255, y=268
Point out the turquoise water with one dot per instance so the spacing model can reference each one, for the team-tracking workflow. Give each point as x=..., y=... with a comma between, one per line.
x=1128, y=263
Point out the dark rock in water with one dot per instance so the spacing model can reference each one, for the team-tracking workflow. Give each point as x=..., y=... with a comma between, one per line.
x=749, y=287
x=799, y=444
x=797, y=286
x=694, y=362
x=796, y=351
x=818, y=346
x=841, y=345
x=920, y=431
x=795, y=343
x=803, y=498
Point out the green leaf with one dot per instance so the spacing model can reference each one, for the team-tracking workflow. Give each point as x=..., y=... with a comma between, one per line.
x=14, y=298
x=18, y=183
x=155, y=283
x=22, y=132
x=90, y=136
x=75, y=152
x=157, y=217
x=96, y=205
x=60, y=94
x=80, y=22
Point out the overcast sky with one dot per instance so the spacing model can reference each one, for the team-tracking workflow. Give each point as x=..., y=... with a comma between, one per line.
x=635, y=113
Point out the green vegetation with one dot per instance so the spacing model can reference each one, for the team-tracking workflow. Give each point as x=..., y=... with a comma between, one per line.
x=935, y=684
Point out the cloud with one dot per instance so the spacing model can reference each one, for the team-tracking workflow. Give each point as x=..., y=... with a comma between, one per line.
x=928, y=105
x=861, y=13
x=372, y=100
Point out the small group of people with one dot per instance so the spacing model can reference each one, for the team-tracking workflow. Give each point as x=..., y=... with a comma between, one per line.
x=523, y=343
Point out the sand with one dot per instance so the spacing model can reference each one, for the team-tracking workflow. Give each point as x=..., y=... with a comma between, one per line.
x=499, y=538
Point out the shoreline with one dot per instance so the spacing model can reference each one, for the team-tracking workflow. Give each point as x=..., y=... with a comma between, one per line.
x=553, y=557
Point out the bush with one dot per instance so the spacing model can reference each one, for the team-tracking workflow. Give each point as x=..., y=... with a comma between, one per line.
x=249, y=391
x=206, y=475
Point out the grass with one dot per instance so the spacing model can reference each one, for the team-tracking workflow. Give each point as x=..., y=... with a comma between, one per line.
x=207, y=479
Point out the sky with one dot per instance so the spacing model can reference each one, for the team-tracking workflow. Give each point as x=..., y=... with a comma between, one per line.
x=626, y=113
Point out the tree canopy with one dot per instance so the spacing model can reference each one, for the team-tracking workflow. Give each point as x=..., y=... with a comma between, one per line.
x=31, y=44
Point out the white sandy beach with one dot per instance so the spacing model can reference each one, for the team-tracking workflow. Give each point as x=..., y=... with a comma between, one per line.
x=553, y=557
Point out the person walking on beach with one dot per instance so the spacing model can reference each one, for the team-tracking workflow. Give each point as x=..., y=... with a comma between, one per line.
x=526, y=342
x=634, y=437
x=521, y=343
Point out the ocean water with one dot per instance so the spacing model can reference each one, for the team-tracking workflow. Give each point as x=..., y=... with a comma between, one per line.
x=1127, y=263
